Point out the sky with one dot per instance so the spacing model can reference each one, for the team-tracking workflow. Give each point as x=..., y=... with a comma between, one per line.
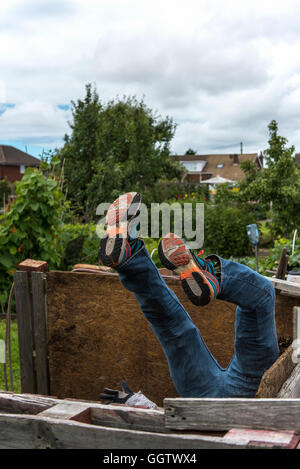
x=222, y=70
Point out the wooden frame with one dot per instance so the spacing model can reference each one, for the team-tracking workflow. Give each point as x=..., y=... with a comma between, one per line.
x=36, y=420
x=32, y=327
x=31, y=421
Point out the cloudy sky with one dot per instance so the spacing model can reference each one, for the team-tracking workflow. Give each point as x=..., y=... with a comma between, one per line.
x=221, y=69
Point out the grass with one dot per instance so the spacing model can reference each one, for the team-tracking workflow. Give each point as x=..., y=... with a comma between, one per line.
x=15, y=358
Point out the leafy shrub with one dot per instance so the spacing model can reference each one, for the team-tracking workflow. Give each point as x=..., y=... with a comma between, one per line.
x=6, y=189
x=31, y=227
x=280, y=243
x=80, y=244
x=225, y=230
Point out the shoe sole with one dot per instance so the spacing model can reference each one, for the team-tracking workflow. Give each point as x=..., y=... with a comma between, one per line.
x=175, y=256
x=119, y=215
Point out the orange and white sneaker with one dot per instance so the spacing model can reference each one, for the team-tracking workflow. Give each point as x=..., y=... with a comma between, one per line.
x=197, y=275
x=119, y=241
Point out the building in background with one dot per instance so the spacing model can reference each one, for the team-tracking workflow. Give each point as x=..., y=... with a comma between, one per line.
x=200, y=168
x=13, y=163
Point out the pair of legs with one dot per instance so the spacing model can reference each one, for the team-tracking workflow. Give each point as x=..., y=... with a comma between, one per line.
x=193, y=369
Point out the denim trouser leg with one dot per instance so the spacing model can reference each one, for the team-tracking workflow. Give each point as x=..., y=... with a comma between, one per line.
x=256, y=344
x=193, y=369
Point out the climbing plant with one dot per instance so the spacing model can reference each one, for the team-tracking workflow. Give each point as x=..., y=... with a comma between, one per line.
x=31, y=226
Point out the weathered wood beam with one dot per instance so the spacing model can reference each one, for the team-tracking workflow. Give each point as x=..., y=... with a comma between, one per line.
x=224, y=414
x=25, y=403
x=24, y=321
x=276, y=375
x=291, y=388
x=35, y=432
x=40, y=332
x=292, y=288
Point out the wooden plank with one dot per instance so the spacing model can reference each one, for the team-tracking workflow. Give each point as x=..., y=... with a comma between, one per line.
x=34, y=432
x=24, y=320
x=291, y=387
x=270, y=439
x=223, y=414
x=276, y=375
x=291, y=288
x=109, y=415
x=69, y=411
x=40, y=332
x=119, y=416
x=24, y=403
x=131, y=418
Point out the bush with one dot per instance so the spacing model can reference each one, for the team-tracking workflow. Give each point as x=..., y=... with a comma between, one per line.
x=280, y=243
x=31, y=227
x=80, y=244
x=171, y=191
x=6, y=189
x=225, y=230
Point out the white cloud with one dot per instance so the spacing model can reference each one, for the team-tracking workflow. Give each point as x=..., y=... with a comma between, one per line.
x=2, y=91
x=34, y=121
x=222, y=70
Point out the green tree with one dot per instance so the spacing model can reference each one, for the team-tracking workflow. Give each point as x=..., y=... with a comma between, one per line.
x=278, y=183
x=113, y=148
x=81, y=149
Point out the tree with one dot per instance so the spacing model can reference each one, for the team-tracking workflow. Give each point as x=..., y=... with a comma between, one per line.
x=118, y=147
x=277, y=183
x=80, y=150
x=190, y=151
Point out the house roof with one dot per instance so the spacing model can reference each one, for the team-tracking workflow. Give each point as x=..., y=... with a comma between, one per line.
x=231, y=164
x=11, y=156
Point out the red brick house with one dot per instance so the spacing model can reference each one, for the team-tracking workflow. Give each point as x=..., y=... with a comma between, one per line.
x=13, y=163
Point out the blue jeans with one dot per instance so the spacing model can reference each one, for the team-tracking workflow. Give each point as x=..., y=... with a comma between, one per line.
x=193, y=369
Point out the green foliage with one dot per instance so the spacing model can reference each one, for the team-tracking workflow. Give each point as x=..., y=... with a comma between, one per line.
x=172, y=191
x=31, y=227
x=118, y=147
x=294, y=257
x=277, y=184
x=6, y=189
x=225, y=230
x=80, y=244
x=270, y=262
x=14, y=356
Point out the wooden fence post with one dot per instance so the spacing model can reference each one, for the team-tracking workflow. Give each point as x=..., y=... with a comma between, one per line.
x=40, y=332
x=32, y=330
x=23, y=310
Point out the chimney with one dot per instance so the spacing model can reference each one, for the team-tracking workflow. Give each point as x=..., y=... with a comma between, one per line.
x=235, y=159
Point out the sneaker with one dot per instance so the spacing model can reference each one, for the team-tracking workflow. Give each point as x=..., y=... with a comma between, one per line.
x=120, y=240
x=197, y=275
